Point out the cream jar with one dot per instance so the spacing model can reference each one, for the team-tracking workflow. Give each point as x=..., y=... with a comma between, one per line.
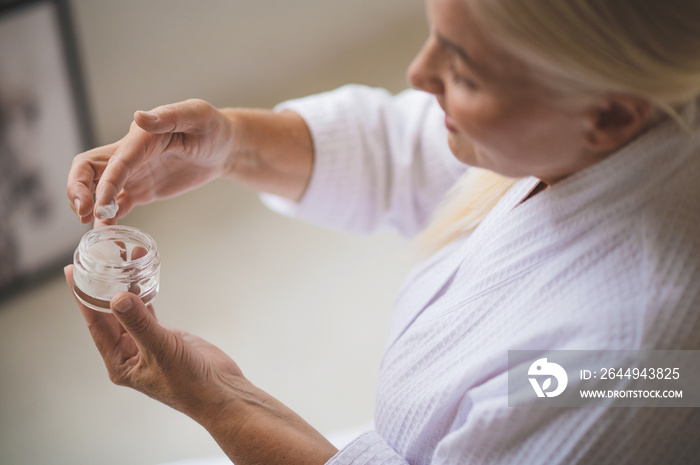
x=112, y=259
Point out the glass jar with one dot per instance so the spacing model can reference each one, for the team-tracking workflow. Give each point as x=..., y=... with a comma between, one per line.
x=112, y=259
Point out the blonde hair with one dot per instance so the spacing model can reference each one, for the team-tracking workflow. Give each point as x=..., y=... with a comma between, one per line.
x=649, y=48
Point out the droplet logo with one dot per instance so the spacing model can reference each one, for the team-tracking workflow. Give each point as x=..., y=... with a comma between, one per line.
x=547, y=370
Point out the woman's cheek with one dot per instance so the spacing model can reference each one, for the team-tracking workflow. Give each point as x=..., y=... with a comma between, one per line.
x=476, y=116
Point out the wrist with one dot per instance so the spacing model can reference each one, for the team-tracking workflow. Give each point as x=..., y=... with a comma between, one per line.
x=253, y=427
x=225, y=400
x=270, y=152
x=239, y=143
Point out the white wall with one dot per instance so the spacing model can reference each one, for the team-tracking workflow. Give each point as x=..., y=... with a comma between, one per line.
x=142, y=53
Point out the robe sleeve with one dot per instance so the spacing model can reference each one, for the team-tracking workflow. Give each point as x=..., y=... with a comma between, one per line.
x=368, y=449
x=379, y=160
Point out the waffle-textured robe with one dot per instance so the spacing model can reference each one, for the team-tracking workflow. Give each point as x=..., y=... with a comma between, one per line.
x=608, y=258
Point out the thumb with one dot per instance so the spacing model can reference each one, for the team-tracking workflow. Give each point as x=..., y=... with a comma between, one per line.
x=192, y=116
x=139, y=322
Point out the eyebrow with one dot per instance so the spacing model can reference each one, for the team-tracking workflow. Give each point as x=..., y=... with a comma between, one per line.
x=461, y=52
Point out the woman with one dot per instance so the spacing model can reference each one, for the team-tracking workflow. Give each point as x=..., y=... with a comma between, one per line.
x=580, y=232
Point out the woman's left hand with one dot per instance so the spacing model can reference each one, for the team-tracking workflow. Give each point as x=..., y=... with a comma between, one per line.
x=198, y=379
x=170, y=366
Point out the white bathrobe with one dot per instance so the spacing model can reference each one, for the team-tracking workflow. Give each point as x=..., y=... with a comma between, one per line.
x=608, y=258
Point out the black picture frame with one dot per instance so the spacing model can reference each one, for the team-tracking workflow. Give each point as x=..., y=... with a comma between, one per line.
x=44, y=123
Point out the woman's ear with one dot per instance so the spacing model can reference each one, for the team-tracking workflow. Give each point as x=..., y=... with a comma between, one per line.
x=616, y=120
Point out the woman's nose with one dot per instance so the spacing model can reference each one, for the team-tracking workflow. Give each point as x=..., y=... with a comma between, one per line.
x=424, y=71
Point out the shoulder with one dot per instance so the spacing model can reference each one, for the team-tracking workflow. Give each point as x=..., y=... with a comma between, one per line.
x=669, y=233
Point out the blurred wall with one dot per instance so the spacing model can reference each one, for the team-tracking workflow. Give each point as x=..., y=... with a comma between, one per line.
x=141, y=53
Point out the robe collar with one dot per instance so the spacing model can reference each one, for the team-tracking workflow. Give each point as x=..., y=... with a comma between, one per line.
x=517, y=237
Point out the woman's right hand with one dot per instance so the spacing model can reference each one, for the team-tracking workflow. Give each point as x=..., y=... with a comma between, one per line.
x=167, y=151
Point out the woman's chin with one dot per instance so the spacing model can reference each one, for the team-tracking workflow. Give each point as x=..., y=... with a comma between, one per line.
x=464, y=151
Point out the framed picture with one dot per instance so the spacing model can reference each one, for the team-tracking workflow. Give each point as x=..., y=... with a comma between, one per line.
x=43, y=124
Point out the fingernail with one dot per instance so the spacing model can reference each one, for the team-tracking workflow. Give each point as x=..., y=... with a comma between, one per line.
x=76, y=204
x=149, y=114
x=123, y=305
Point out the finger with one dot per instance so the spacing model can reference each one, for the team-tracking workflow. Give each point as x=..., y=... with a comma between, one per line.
x=133, y=151
x=192, y=116
x=137, y=253
x=85, y=169
x=107, y=222
x=124, y=205
x=152, y=339
x=110, y=184
x=104, y=329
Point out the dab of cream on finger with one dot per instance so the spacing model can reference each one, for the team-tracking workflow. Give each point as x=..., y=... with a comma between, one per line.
x=105, y=212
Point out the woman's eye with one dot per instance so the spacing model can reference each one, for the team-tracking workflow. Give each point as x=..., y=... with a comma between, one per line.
x=459, y=79
x=464, y=82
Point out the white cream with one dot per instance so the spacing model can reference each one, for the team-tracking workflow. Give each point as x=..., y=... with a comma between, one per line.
x=104, y=212
x=108, y=251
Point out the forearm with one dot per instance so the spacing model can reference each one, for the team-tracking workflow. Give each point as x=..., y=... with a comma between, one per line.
x=252, y=427
x=272, y=152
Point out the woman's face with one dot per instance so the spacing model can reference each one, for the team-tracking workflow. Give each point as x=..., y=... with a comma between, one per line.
x=498, y=114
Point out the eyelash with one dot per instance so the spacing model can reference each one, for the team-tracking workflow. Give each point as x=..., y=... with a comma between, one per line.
x=461, y=81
